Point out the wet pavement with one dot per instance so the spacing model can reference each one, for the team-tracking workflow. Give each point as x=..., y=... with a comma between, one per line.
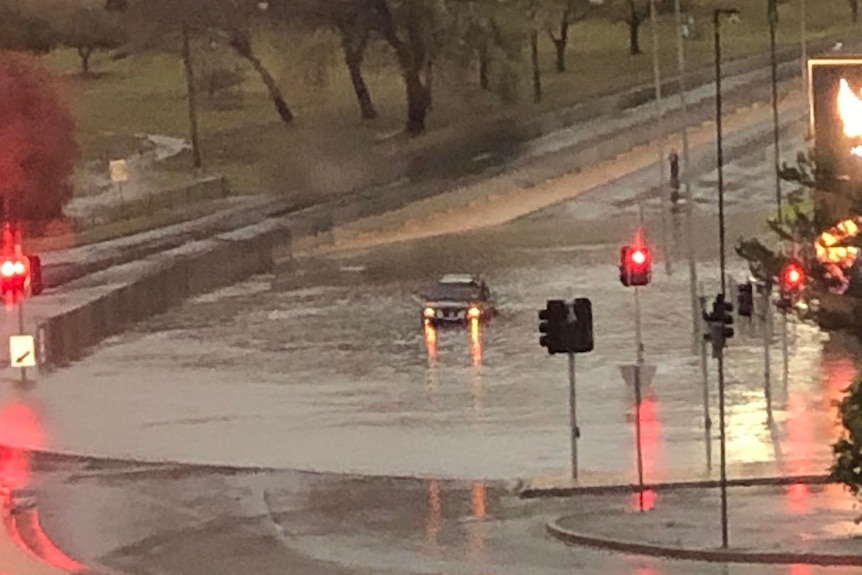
x=816, y=519
x=125, y=518
x=327, y=368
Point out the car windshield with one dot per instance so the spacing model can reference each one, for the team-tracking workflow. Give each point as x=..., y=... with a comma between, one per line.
x=456, y=292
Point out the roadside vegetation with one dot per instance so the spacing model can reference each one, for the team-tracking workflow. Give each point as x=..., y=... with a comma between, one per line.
x=313, y=98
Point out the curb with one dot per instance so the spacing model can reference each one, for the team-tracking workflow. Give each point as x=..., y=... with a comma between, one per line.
x=551, y=492
x=704, y=555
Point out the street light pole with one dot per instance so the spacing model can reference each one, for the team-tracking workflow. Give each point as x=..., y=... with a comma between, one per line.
x=660, y=130
x=697, y=341
x=717, y=13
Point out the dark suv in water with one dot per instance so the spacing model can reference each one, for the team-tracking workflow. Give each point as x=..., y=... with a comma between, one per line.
x=457, y=299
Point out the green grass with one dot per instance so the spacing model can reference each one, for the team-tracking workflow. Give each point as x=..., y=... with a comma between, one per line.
x=329, y=148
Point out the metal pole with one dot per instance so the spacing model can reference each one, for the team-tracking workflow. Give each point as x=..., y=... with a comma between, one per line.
x=704, y=374
x=785, y=352
x=721, y=232
x=723, y=452
x=661, y=133
x=21, y=331
x=638, y=397
x=773, y=22
x=719, y=149
x=767, y=359
x=804, y=46
x=573, y=416
x=696, y=338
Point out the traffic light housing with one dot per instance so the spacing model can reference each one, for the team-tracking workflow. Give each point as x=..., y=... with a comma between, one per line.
x=745, y=299
x=792, y=282
x=719, y=322
x=635, y=266
x=37, y=286
x=724, y=311
x=581, y=331
x=567, y=328
x=13, y=278
x=552, y=322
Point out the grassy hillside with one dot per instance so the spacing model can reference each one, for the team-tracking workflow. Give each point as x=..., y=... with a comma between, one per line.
x=329, y=148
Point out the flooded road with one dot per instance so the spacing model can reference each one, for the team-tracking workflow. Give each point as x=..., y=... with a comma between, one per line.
x=326, y=366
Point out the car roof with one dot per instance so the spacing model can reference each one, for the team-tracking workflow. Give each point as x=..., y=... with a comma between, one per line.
x=460, y=279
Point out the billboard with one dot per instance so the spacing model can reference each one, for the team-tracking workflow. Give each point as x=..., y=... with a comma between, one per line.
x=835, y=97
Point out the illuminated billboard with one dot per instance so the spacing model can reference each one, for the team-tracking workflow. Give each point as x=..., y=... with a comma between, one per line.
x=835, y=97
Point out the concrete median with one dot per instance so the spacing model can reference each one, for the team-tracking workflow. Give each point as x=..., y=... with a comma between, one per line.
x=87, y=311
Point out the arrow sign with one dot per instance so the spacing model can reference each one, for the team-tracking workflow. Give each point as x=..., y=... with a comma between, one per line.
x=647, y=374
x=21, y=351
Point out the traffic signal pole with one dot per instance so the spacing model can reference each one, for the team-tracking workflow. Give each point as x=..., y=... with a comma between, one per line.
x=767, y=352
x=573, y=416
x=704, y=374
x=21, y=332
x=639, y=397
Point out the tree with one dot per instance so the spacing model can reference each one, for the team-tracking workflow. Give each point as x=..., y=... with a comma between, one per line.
x=854, y=10
x=154, y=20
x=352, y=21
x=38, y=150
x=571, y=12
x=412, y=29
x=799, y=224
x=847, y=451
x=87, y=29
x=21, y=30
x=631, y=12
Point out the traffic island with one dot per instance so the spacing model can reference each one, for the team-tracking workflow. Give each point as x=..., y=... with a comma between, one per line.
x=789, y=524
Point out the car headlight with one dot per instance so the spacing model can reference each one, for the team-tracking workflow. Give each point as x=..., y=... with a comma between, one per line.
x=429, y=312
x=474, y=313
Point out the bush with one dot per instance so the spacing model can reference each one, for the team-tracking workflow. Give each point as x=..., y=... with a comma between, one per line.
x=38, y=150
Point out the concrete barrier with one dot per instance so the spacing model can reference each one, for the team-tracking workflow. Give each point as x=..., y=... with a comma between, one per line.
x=210, y=188
x=112, y=300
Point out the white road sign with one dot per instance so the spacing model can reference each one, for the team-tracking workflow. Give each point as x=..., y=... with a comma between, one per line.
x=647, y=374
x=21, y=351
x=119, y=171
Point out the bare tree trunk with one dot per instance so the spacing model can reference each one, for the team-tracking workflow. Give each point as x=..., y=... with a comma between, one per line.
x=354, y=45
x=634, y=23
x=429, y=82
x=85, y=52
x=417, y=103
x=484, y=64
x=242, y=46
x=534, y=60
x=854, y=9
x=411, y=56
x=191, y=91
x=353, y=57
x=561, y=42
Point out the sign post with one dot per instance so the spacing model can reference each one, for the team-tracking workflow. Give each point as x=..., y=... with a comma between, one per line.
x=119, y=174
x=573, y=416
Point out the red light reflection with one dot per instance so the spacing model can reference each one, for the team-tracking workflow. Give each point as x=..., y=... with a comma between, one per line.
x=20, y=432
x=650, y=435
x=645, y=500
x=800, y=569
x=798, y=497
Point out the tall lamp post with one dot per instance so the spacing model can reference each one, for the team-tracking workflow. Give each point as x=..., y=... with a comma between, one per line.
x=696, y=331
x=716, y=24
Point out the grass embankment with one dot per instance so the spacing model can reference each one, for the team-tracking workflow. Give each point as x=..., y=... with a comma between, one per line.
x=328, y=148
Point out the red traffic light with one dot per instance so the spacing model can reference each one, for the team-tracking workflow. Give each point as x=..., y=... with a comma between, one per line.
x=635, y=266
x=793, y=276
x=13, y=268
x=639, y=256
